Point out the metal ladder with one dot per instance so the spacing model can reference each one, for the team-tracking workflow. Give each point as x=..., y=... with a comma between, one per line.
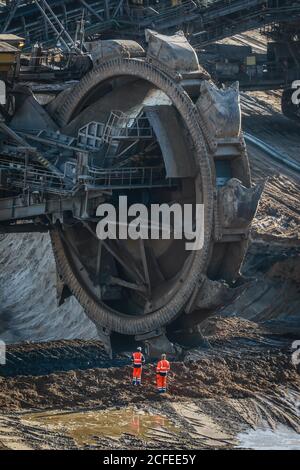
x=56, y=25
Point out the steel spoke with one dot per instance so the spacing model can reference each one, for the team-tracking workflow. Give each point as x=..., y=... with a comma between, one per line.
x=145, y=264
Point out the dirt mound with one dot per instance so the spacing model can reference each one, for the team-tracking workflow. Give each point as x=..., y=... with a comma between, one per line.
x=278, y=215
x=218, y=328
x=235, y=355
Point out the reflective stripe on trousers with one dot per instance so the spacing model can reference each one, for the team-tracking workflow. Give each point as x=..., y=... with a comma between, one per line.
x=161, y=382
x=137, y=375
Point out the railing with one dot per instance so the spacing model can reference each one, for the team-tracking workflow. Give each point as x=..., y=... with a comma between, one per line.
x=121, y=126
x=18, y=170
x=21, y=175
x=18, y=175
x=129, y=177
x=55, y=60
x=217, y=29
x=90, y=135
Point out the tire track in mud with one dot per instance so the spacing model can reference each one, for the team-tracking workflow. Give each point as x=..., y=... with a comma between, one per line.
x=196, y=424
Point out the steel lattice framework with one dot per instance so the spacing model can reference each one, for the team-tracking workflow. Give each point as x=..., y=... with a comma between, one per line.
x=205, y=21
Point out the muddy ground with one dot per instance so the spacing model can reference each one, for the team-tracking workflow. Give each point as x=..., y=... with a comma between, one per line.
x=242, y=377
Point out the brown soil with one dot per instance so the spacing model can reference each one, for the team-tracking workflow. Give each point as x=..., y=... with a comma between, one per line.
x=238, y=351
x=244, y=377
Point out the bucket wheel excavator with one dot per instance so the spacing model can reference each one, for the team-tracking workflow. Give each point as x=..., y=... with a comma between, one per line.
x=146, y=123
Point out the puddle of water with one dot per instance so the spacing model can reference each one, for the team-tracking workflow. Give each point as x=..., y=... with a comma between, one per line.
x=282, y=438
x=86, y=426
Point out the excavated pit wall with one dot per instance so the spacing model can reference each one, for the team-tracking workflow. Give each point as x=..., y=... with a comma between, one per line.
x=28, y=306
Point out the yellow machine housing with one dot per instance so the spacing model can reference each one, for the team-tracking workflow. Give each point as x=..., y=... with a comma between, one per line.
x=10, y=53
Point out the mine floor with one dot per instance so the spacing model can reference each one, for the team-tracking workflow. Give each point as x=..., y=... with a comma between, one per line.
x=242, y=379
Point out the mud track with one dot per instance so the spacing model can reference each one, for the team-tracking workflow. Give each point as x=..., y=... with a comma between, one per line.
x=215, y=382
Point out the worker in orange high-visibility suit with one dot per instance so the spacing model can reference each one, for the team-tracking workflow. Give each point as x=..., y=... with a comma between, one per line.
x=137, y=360
x=162, y=369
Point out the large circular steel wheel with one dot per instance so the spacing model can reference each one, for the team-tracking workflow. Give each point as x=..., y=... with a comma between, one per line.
x=136, y=286
x=125, y=286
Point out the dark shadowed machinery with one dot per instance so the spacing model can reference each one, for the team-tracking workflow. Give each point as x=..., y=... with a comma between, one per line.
x=144, y=122
x=59, y=22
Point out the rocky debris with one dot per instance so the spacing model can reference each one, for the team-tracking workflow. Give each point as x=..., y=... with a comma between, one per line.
x=238, y=352
x=278, y=215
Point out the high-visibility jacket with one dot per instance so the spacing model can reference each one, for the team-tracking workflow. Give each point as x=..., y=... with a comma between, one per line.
x=138, y=359
x=163, y=367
